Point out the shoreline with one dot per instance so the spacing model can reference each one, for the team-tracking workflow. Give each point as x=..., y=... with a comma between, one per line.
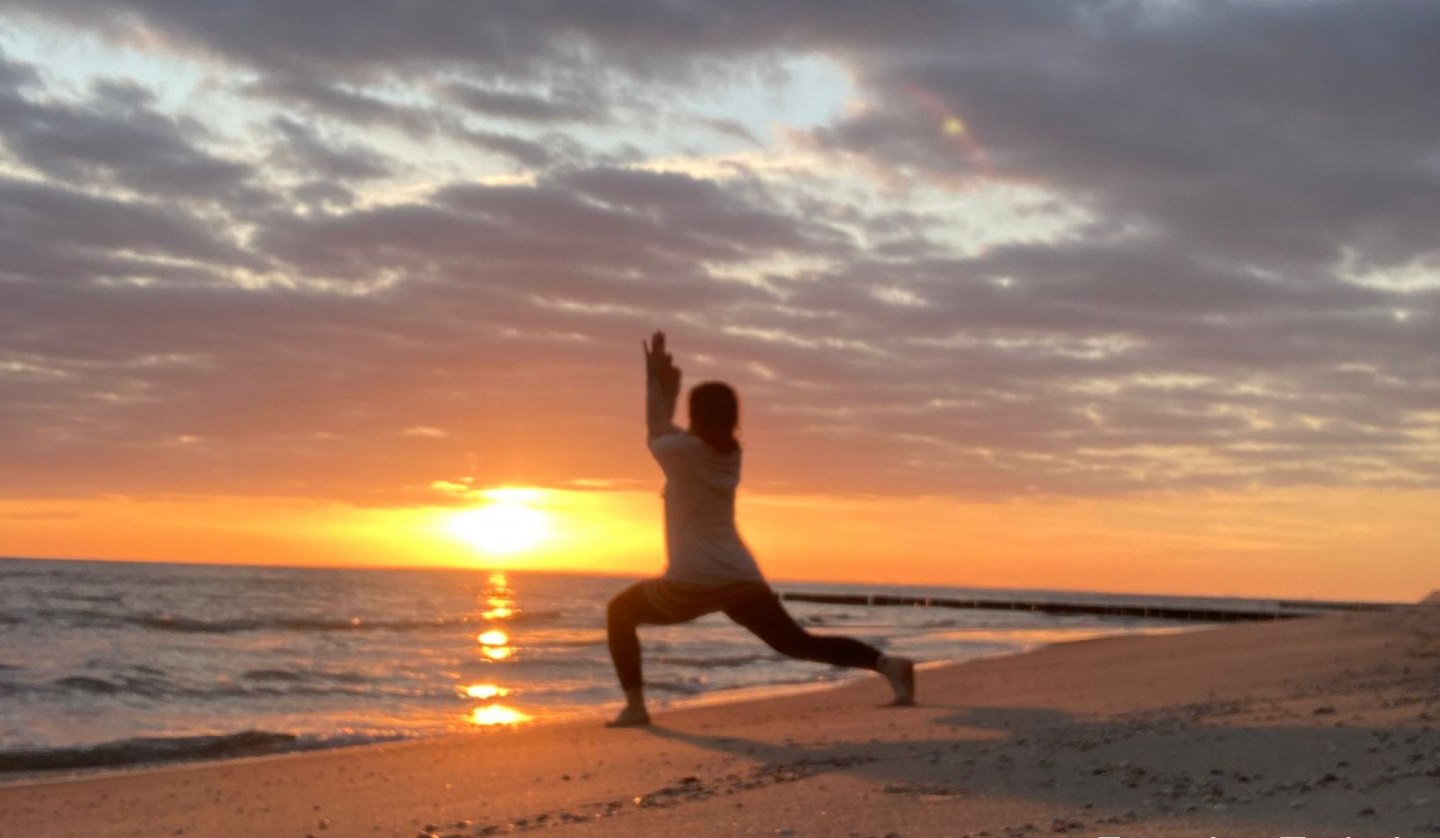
x=597, y=715
x=1321, y=726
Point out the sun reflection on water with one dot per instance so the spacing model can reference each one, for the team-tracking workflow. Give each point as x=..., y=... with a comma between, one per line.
x=484, y=691
x=492, y=715
x=493, y=637
x=494, y=646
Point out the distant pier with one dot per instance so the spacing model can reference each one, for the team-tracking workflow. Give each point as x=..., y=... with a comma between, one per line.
x=1281, y=609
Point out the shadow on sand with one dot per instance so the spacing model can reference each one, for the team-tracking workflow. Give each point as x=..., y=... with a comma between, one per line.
x=1200, y=762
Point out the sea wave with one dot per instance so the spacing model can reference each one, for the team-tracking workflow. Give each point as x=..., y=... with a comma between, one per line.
x=169, y=749
x=264, y=684
x=90, y=618
x=81, y=683
x=165, y=622
x=713, y=661
x=273, y=675
x=302, y=675
x=75, y=596
x=693, y=685
x=257, y=655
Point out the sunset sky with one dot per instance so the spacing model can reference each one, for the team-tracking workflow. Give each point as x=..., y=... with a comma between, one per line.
x=1137, y=296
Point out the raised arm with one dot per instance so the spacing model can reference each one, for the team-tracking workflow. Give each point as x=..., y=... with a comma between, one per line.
x=662, y=387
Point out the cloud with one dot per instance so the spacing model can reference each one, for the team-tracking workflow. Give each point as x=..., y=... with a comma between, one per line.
x=1263, y=131
x=560, y=106
x=15, y=76
x=115, y=137
x=1058, y=249
x=304, y=150
x=55, y=234
x=425, y=431
x=513, y=39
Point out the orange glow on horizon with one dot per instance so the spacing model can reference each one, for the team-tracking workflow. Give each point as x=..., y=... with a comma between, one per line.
x=1291, y=543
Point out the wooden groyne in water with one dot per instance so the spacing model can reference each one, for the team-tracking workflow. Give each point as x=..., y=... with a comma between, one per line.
x=1281, y=610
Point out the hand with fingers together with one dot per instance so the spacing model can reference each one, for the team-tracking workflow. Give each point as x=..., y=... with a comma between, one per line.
x=660, y=365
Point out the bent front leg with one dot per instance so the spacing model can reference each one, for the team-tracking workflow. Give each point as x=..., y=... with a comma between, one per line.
x=628, y=610
x=622, y=618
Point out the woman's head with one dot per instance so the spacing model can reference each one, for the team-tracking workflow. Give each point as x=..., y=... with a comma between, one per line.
x=715, y=415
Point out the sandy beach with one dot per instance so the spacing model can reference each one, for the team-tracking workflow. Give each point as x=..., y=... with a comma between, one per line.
x=1314, y=727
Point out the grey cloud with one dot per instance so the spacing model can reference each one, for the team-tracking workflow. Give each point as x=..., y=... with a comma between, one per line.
x=601, y=223
x=287, y=381
x=51, y=233
x=522, y=39
x=602, y=49
x=1193, y=333
x=361, y=108
x=699, y=208
x=354, y=105
x=731, y=128
x=326, y=194
x=523, y=151
x=306, y=151
x=116, y=137
x=565, y=105
x=15, y=76
x=1265, y=132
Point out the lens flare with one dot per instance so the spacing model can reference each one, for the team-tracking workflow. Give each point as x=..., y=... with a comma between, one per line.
x=952, y=126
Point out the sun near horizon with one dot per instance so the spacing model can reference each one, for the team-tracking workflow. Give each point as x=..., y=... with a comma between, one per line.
x=1219, y=545
x=508, y=523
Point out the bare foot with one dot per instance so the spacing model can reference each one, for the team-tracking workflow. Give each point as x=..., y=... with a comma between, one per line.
x=900, y=672
x=630, y=717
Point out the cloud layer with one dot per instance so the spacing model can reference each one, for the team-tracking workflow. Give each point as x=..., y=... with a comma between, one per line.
x=1053, y=249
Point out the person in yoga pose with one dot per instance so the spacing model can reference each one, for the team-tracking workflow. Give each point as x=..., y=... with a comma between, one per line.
x=708, y=566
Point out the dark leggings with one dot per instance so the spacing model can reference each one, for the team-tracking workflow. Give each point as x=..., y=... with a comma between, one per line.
x=761, y=614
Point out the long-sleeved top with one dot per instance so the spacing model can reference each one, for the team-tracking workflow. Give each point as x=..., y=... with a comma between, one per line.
x=702, y=544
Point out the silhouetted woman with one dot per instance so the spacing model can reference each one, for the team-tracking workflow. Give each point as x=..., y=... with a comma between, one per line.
x=708, y=567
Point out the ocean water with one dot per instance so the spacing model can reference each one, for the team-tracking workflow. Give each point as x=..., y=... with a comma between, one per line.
x=108, y=663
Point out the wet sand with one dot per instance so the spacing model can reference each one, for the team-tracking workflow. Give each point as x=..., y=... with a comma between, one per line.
x=1314, y=727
